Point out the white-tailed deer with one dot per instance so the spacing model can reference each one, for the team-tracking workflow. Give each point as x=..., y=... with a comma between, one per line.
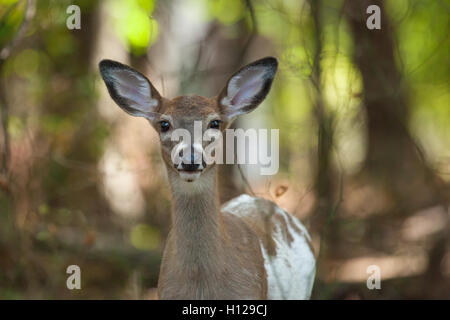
x=247, y=249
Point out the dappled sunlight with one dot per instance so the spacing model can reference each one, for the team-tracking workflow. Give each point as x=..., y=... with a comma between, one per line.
x=120, y=185
x=355, y=270
x=425, y=223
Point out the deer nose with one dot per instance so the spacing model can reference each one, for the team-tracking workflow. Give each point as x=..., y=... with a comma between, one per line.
x=190, y=157
x=190, y=166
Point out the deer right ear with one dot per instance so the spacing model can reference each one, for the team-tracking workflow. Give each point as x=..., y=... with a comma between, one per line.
x=247, y=88
x=130, y=89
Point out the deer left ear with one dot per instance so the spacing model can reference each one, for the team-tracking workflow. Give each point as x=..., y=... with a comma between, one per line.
x=130, y=89
x=247, y=88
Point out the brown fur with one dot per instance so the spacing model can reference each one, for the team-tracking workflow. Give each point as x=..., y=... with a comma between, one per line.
x=209, y=255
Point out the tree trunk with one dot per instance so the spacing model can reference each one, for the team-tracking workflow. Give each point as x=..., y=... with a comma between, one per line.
x=392, y=155
x=322, y=158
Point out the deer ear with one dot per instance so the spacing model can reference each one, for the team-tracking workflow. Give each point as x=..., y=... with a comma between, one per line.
x=247, y=88
x=130, y=89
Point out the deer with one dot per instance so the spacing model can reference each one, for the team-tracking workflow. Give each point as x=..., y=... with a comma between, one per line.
x=248, y=248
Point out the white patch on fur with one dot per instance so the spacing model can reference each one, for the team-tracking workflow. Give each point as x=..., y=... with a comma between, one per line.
x=242, y=202
x=291, y=272
x=190, y=176
x=200, y=185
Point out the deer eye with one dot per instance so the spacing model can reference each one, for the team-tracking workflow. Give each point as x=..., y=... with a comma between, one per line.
x=165, y=126
x=215, y=124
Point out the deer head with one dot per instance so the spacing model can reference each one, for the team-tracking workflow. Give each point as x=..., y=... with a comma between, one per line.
x=135, y=94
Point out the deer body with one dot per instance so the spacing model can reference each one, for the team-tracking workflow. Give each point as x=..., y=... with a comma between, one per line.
x=211, y=256
x=247, y=249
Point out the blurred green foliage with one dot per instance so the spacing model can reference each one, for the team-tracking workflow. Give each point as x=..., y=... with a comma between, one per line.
x=11, y=16
x=145, y=237
x=227, y=12
x=135, y=25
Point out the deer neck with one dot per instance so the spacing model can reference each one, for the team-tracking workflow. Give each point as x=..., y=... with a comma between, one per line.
x=197, y=230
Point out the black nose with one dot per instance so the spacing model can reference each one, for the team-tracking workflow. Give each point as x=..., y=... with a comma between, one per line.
x=190, y=167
